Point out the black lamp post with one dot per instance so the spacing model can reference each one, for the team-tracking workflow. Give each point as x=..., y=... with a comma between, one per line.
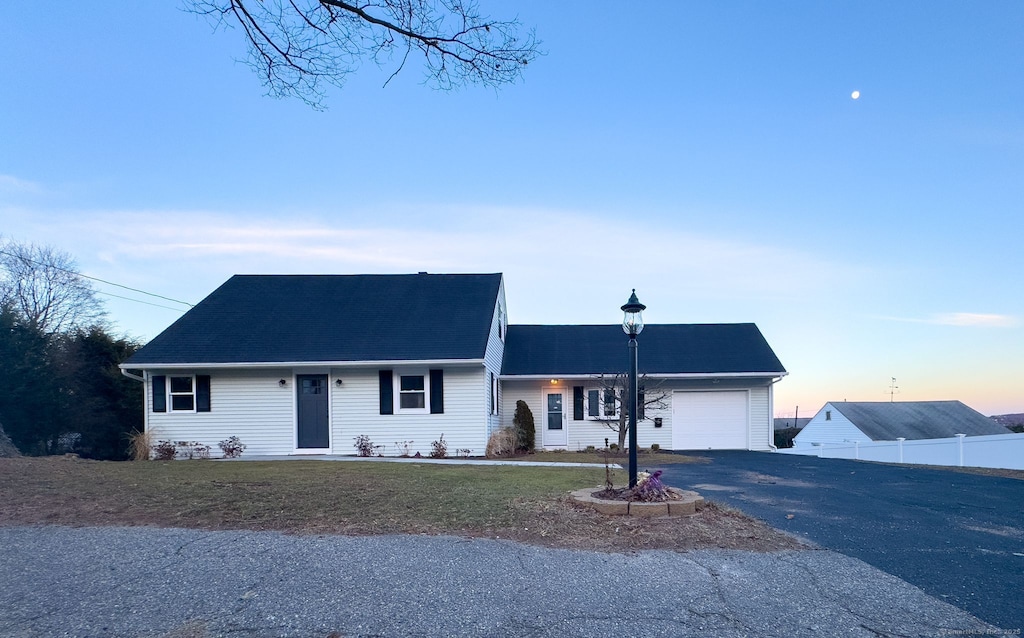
x=632, y=324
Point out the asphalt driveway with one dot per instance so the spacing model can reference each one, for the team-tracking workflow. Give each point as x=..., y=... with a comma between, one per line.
x=958, y=537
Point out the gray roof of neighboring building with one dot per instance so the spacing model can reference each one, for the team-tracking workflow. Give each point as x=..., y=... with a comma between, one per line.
x=299, y=318
x=885, y=421
x=663, y=349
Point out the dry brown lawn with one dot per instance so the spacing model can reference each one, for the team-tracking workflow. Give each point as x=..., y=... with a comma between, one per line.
x=527, y=504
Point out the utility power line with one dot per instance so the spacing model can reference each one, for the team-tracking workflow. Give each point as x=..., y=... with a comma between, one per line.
x=110, y=294
x=104, y=281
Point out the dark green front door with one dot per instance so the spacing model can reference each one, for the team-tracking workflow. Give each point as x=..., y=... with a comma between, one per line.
x=312, y=411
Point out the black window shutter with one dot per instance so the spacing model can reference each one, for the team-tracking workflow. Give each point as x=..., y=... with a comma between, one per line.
x=160, y=393
x=491, y=390
x=640, y=404
x=387, y=393
x=594, y=399
x=577, y=403
x=437, y=391
x=202, y=393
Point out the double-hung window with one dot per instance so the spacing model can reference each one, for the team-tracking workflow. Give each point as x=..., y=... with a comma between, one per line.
x=412, y=392
x=182, y=394
x=609, y=404
x=602, y=404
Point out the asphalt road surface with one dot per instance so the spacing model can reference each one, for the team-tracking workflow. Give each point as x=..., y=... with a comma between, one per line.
x=175, y=583
x=959, y=537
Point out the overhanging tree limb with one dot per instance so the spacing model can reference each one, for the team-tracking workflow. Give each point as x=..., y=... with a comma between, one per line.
x=298, y=46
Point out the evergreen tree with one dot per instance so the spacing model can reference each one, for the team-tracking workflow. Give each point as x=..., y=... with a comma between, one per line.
x=526, y=432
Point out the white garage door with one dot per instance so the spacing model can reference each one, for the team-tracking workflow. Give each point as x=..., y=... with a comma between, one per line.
x=710, y=421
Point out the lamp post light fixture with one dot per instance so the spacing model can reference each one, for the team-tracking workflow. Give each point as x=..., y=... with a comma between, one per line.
x=632, y=324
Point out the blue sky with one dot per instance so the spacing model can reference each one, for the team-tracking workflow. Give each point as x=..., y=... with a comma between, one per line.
x=708, y=154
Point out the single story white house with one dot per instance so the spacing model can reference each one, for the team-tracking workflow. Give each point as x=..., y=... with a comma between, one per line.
x=840, y=422
x=303, y=364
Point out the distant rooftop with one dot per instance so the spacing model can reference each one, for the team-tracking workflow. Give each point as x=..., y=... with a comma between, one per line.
x=885, y=421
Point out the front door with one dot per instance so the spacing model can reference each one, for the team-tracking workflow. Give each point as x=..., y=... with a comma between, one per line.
x=554, y=419
x=312, y=411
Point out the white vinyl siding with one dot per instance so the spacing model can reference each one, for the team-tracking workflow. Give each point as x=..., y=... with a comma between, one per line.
x=592, y=432
x=836, y=430
x=253, y=406
x=512, y=391
x=355, y=410
x=248, y=404
x=493, y=356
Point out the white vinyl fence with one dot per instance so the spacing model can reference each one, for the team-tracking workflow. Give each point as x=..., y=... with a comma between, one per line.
x=996, y=450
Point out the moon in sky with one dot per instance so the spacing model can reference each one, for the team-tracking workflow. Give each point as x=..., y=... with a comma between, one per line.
x=855, y=94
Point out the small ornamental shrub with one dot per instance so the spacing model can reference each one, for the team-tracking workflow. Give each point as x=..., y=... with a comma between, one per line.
x=403, y=447
x=502, y=442
x=232, y=447
x=363, y=445
x=526, y=432
x=140, y=445
x=165, y=451
x=614, y=447
x=463, y=452
x=649, y=487
x=784, y=437
x=590, y=449
x=193, y=450
x=439, y=448
x=655, y=447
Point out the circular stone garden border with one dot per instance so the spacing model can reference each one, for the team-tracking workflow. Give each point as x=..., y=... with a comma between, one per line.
x=683, y=503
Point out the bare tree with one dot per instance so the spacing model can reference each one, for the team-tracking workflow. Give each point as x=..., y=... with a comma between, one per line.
x=43, y=286
x=613, y=396
x=300, y=46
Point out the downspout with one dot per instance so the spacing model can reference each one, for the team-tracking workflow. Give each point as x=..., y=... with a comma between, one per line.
x=771, y=414
x=145, y=396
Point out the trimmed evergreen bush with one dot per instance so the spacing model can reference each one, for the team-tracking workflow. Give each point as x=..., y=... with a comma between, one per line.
x=526, y=432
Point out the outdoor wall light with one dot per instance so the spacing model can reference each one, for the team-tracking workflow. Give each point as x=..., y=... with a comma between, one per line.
x=282, y=383
x=337, y=382
x=554, y=382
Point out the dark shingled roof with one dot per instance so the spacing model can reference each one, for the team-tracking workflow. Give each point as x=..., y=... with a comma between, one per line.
x=663, y=349
x=271, y=318
x=884, y=421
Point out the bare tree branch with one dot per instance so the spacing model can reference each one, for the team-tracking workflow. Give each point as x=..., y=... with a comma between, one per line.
x=43, y=286
x=654, y=397
x=298, y=47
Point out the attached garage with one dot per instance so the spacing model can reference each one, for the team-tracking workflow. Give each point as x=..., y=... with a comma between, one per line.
x=711, y=420
x=706, y=386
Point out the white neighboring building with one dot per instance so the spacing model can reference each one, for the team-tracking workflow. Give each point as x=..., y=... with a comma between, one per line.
x=842, y=422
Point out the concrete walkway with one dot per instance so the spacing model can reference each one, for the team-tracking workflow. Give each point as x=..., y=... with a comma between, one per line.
x=176, y=583
x=424, y=459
